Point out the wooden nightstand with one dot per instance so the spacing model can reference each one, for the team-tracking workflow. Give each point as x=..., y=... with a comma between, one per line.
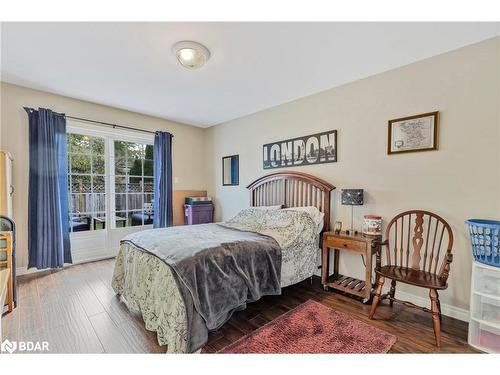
x=359, y=243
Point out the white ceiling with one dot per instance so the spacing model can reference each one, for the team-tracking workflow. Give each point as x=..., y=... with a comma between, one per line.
x=253, y=65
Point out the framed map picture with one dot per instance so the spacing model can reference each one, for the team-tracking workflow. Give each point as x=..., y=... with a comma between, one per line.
x=413, y=133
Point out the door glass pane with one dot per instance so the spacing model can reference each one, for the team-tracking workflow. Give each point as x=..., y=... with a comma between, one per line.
x=120, y=202
x=135, y=185
x=121, y=220
x=79, y=223
x=98, y=184
x=135, y=165
x=99, y=220
x=134, y=201
x=120, y=184
x=86, y=184
x=98, y=146
x=121, y=167
x=78, y=144
x=148, y=152
x=148, y=209
x=136, y=218
x=80, y=164
x=120, y=149
x=133, y=192
x=82, y=196
x=148, y=184
x=74, y=203
x=136, y=150
x=97, y=164
x=148, y=167
x=80, y=184
x=98, y=202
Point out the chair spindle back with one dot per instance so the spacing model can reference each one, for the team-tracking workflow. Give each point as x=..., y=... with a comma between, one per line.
x=420, y=239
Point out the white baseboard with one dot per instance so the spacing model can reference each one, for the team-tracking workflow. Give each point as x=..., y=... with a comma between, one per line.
x=20, y=271
x=448, y=310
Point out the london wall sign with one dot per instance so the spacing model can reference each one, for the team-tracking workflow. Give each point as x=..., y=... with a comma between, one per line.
x=312, y=149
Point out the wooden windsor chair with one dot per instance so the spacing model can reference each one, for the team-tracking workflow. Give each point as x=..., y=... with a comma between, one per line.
x=413, y=255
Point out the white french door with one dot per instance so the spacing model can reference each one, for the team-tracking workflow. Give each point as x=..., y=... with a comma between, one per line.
x=110, y=181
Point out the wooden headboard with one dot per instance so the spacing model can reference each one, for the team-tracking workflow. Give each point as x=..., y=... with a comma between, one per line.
x=292, y=189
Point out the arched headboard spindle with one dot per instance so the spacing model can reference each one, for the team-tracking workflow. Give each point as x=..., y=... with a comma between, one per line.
x=292, y=189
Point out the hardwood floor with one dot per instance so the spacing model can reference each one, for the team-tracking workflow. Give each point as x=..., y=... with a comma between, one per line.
x=77, y=311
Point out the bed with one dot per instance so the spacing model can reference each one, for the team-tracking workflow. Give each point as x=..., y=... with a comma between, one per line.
x=188, y=280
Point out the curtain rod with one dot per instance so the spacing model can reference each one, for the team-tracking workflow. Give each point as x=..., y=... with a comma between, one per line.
x=114, y=126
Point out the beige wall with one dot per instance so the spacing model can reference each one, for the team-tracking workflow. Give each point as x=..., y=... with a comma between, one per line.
x=187, y=144
x=463, y=85
x=461, y=180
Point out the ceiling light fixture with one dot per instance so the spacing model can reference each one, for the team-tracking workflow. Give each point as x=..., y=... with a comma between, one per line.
x=190, y=54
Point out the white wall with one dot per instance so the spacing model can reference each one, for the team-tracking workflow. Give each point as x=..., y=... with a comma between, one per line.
x=461, y=180
x=188, y=145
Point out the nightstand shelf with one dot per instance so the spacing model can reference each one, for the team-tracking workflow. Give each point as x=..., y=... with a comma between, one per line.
x=358, y=243
x=347, y=284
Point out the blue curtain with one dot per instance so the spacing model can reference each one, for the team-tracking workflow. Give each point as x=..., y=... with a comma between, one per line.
x=48, y=226
x=163, y=213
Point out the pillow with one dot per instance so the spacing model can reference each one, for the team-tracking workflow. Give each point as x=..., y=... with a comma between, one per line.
x=277, y=207
x=314, y=213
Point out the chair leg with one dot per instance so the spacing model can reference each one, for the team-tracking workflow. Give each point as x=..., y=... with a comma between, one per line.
x=376, y=298
x=440, y=315
x=392, y=293
x=436, y=315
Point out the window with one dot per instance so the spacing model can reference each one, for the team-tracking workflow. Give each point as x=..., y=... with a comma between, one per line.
x=86, y=181
x=133, y=183
x=105, y=165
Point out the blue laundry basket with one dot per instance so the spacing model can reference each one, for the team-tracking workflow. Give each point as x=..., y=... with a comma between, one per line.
x=485, y=240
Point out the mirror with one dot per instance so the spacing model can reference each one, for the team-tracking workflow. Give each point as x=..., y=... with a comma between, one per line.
x=230, y=170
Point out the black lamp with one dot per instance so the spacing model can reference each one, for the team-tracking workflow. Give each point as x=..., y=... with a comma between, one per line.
x=352, y=197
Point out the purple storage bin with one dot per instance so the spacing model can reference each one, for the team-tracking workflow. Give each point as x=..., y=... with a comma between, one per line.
x=198, y=214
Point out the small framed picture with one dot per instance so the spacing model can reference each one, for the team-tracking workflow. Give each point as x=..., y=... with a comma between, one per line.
x=413, y=133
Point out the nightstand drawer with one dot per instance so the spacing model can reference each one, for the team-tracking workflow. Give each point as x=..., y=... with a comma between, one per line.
x=341, y=243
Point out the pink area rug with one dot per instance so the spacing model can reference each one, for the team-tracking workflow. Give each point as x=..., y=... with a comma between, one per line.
x=314, y=328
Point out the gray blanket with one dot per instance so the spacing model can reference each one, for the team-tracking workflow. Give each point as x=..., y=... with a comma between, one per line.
x=218, y=270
